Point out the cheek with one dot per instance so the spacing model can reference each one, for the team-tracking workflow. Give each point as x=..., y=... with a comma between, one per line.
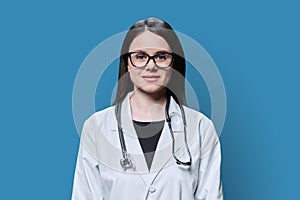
x=134, y=75
x=168, y=76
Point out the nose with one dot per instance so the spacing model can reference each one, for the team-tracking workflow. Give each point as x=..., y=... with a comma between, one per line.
x=151, y=65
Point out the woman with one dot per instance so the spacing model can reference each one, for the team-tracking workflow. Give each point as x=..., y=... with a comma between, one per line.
x=149, y=145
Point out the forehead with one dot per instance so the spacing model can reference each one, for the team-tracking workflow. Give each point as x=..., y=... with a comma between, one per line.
x=149, y=41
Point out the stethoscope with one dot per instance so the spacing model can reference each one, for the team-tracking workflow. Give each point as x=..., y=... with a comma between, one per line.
x=126, y=162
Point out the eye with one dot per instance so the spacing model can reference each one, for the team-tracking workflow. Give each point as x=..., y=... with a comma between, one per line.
x=160, y=57
x=140, y=56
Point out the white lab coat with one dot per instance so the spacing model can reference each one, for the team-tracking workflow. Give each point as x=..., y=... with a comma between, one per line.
x=99, y=175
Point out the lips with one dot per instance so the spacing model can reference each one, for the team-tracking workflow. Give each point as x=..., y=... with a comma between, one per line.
x=150, y=78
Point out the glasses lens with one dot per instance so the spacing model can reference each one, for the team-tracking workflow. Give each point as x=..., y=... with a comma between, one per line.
x=139, y=59
x=163, y=59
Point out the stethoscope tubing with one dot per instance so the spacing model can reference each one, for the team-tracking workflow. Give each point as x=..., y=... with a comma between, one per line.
x=126, y=162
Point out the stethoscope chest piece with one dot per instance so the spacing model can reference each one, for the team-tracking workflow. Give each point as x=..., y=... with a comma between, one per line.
x=126, y=162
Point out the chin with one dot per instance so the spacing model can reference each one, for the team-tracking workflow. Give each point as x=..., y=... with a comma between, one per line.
x=151, y=88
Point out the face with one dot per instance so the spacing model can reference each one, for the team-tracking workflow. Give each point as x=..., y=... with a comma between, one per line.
x=150, y=78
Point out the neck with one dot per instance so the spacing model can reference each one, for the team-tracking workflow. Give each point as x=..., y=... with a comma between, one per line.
x=148, y=106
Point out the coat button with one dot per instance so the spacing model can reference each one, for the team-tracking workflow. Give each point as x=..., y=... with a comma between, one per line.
x=152, y=189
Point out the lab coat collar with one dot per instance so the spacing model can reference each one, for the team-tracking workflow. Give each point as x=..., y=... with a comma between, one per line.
x=126, y=116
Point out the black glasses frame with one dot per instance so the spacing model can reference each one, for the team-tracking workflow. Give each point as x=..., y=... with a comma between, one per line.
x=150, y=58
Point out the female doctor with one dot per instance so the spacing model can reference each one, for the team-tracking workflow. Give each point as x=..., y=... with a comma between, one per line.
x=149, y=145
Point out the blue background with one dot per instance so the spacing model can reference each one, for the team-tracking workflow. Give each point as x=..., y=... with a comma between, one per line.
x=255, y=45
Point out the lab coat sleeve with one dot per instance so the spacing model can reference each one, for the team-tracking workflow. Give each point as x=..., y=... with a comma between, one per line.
x=209, y=180
x=87, y=184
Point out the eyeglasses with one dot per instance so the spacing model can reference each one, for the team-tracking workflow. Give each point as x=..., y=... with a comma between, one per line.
x=141, y=59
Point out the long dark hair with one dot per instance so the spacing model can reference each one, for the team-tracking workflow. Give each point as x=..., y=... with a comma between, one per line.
x=176, y=85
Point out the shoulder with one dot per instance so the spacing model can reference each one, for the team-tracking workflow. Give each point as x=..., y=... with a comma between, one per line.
x=97, y=121
x=199, y=121
x=92, y=125
x=196, y=116
x=100, y=116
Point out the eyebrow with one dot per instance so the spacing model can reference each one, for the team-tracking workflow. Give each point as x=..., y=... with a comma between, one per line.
x=160, y=51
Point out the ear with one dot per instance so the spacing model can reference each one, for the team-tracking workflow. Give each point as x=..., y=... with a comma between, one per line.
x=128, y=68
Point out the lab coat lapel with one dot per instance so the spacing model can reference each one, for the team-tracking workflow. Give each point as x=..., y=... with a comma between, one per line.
x=130, y=136
x=163, y=155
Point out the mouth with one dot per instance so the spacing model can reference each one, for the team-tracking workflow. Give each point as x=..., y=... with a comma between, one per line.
x=151, y=78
